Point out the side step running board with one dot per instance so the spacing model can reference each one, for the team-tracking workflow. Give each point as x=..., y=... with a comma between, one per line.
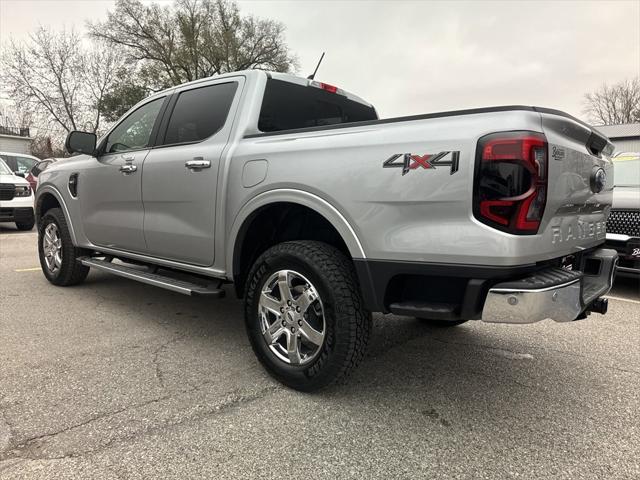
x=156, y=279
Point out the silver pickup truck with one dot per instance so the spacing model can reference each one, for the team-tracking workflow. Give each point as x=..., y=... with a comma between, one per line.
x=320, y=213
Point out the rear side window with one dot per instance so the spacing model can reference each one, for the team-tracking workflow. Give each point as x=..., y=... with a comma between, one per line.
x=199, y=113
x=288, y=106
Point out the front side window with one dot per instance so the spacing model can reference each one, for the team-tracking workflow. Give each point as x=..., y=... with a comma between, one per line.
x=199, y=113
x=134, y=132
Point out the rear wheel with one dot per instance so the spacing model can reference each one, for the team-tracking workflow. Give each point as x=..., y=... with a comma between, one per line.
x=304, y=314
x=58, y=255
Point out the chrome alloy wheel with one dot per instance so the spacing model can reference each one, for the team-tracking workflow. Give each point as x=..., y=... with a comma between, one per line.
x=292, y=317
x=52, y=248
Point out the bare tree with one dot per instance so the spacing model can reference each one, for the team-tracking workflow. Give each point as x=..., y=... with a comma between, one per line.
x=614, y=104
x=45, y=146
x=66, y=84
x=193, y=39
x=56, y=77
x=15, y=115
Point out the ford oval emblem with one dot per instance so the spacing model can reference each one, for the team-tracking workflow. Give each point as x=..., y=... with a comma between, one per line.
x=598, y=179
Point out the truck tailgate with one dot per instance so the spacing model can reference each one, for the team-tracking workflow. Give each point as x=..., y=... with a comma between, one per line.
x=577, y=202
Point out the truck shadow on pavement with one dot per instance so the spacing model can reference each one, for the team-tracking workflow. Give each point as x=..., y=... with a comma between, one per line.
x=125, y=360
x=474, y=363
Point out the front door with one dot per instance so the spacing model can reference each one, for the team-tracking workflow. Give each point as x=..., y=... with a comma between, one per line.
x=110, y=190
x=180, y=175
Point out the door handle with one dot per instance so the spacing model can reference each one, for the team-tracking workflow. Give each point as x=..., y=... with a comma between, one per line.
x=197, y=163
x=128, y=168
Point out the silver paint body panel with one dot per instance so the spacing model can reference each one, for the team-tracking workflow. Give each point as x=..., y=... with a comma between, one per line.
x=424, y=216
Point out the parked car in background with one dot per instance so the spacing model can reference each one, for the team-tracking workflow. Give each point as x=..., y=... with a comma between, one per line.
x=36, y=170
x=16, y=199
x=19, y=163
x=623, y=226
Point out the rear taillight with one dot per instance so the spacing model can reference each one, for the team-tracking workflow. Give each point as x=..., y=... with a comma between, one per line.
x=510, y=188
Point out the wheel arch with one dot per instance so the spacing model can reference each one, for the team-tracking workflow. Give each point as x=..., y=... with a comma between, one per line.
x=266, y=212
x=49, y=197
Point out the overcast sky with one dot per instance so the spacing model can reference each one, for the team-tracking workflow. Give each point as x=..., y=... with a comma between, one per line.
x=410, y=57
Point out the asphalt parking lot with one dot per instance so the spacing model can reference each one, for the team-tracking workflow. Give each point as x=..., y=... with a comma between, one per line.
x=114, y=379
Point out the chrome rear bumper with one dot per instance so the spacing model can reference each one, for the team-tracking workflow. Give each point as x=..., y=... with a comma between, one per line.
x=561, y=295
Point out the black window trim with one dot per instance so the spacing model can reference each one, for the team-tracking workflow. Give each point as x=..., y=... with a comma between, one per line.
x=426, y=116
x=152, y=136
x=164, y=126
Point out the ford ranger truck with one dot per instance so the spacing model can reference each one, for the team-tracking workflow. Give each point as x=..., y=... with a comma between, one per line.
x=320, y=213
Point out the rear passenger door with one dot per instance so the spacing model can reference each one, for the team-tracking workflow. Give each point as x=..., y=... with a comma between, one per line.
x=180, y=175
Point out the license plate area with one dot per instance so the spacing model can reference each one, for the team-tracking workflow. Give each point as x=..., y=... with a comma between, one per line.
x=633, y=250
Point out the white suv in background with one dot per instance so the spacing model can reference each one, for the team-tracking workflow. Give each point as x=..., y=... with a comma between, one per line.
x=19, y=163
x=16, y=199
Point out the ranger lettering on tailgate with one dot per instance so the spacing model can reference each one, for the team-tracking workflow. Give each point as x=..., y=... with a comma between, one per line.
x=584, y=230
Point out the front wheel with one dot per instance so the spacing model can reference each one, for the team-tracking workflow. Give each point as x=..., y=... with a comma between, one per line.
x=304, y=314
x=58, y=255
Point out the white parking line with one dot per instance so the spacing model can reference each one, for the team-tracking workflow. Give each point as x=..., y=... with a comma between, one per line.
x=623, y=299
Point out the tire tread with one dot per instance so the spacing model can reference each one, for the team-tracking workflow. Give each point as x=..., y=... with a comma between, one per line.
x=72, y=272
x=352, y=319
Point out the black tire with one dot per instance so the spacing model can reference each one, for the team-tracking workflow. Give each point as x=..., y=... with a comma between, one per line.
x=442, y=323
x=347, y=323
x=70, y=272
x=25, y=225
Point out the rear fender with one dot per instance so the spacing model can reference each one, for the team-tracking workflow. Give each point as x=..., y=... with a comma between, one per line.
x=306, y=199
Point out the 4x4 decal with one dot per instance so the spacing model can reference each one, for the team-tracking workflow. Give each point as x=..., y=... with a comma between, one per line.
x=427, y=161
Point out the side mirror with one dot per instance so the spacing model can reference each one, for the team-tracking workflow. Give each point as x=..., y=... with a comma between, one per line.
x=19, y=174
x=81, y=142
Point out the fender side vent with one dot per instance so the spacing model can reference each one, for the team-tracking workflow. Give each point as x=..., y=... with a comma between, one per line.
x=73, y=185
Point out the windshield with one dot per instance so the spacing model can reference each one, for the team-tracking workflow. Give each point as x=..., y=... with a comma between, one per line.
x=626, y=170
x=4, y=170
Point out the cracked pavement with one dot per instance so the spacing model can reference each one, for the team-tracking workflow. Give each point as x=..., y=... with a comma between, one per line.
x=118, y=380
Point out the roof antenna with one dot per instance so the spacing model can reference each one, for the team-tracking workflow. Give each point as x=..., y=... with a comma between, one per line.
x=312, y=76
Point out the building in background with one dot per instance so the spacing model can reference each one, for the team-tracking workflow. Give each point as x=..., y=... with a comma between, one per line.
x=626, y=138
x=15, y=139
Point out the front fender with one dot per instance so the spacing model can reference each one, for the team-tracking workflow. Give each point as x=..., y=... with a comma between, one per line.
x=49, y=189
